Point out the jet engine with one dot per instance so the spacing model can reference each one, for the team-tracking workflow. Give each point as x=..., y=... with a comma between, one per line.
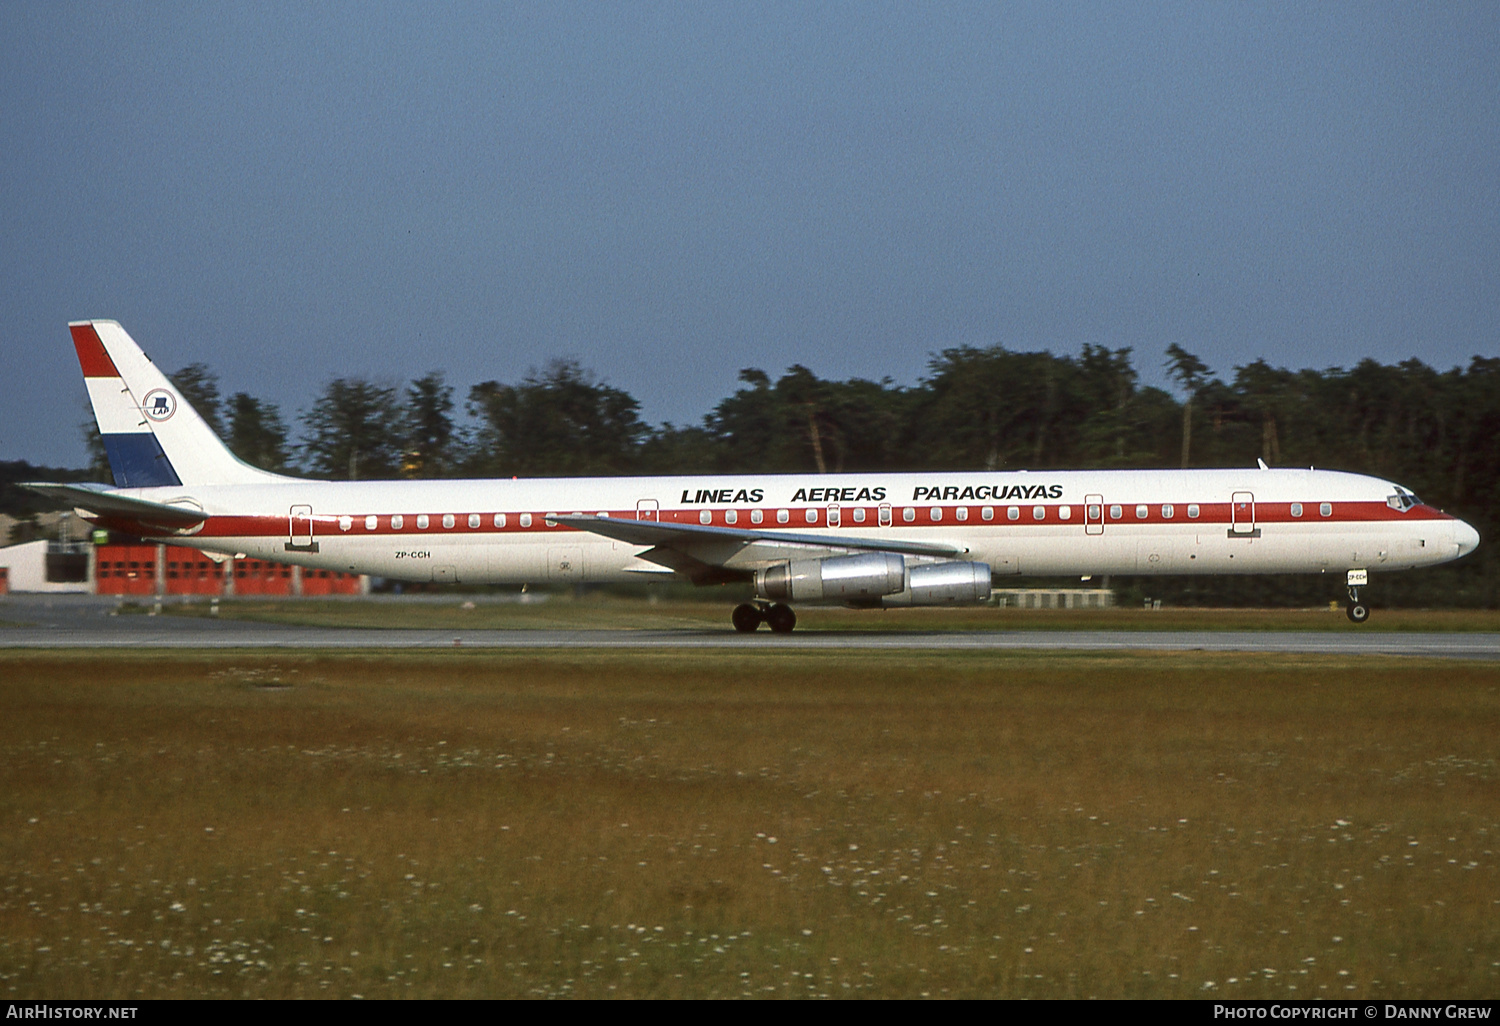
x=943, y=584
x=836, y=579
x=875, y=579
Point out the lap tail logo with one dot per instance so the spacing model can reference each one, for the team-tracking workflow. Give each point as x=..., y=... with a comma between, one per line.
x=159, y=405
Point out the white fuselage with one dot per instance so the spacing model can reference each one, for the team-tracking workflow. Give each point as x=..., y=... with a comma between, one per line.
x=1041, y=523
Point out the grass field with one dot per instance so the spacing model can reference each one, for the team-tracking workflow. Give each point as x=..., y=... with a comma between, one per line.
x=653, y=824
x=603, y=611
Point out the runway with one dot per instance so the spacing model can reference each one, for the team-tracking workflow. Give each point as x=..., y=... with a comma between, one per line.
x=86, y=624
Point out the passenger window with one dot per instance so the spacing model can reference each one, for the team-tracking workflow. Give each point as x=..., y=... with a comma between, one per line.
x=1039, y=512
x=499, y=519
x=345, y=523
x=1065, y=512
x=1167, y=512
x=782, y=516
x=811, y=516
x=1192, y=511
x=525, y=520
x=448, y=520
x=474, y=521
x=1115, y=513
x=397, y=521
x=1326, y=509
x=756, y=516
x=1141, y=512
x=988, y=513
x=962, y=513
x=935, y=514
x=371, y=523
x=1296, y=509
x=908, y=514
x=421, y=521
x=731, y=516
x=705, y=516
x=859, y=515
x=1013, y=513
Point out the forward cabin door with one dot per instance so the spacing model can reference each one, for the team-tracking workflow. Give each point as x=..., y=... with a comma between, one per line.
x=647, y=509
x=1093, y=514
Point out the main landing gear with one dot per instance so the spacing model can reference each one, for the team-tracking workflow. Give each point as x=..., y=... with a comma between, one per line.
x=1357, y=611
x=747, y=617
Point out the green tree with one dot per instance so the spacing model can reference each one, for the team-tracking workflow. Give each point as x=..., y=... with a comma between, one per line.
x=354, y=431
x=989, y=408
x=557, y=422
x=430, y=434
x=257, y=434
x=98, y=467
x=1192, y=374
x=803, y=423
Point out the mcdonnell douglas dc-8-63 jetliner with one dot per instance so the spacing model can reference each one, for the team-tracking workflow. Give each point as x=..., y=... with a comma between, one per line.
x=873, y=540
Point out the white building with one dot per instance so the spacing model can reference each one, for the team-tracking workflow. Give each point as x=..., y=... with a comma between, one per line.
x=47, y=566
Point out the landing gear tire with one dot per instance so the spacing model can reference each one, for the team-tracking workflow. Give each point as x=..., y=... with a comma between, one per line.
x=746, y=618
x=781, y=618
x=1356, y=610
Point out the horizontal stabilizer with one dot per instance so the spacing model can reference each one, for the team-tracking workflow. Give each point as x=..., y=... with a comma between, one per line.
x=104, y=502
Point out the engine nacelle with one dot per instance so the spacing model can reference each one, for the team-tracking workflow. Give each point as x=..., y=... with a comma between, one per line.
x=836, y=579
x=943, y=584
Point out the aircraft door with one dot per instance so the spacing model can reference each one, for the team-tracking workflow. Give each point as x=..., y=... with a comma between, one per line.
x=1093, y=514
x=1242, y=515
x=647, y=509
x=300, y=530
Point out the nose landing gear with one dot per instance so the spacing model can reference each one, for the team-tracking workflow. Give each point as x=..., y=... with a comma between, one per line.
x=1357, y=611
x=747, y=617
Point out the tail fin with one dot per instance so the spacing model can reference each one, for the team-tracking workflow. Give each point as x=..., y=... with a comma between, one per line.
x=152, y=435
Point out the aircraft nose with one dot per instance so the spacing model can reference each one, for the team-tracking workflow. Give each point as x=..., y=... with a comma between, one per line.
x=1465, y=537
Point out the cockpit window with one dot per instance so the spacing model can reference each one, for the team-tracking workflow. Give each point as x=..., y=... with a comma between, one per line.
x=1402, y=500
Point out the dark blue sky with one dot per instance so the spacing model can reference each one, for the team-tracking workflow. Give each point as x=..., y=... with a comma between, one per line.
x=669, y=193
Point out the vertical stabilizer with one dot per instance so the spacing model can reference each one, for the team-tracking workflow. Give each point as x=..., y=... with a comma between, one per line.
x=152, y=435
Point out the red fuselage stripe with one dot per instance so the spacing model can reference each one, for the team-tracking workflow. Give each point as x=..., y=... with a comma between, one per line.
x=1210, y=514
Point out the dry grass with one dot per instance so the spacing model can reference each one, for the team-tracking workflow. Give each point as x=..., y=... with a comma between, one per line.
x=475, y=824
x=603, y=611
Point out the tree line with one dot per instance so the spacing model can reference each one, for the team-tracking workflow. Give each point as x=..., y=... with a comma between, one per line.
x=1437, y=432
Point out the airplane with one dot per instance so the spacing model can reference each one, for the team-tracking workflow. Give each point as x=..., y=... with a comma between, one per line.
x=869, y=540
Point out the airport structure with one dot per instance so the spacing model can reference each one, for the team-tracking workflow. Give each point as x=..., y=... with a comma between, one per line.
x=64, y=564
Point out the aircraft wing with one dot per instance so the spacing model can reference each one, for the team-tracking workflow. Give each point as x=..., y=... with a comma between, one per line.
x=105, y=503
x=701, y=553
